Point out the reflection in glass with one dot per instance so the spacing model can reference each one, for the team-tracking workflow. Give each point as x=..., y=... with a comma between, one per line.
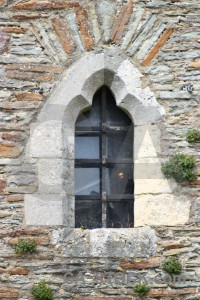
x=119, y=214
x=87, y=181
x=114, y=115
x=88, y=214
x=119, y=144
x=91, y=118
x=87, y=147
x=119, y=179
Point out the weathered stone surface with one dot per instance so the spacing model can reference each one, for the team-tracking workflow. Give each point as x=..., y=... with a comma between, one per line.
x=46, y=140
x=130, y=242
x=35, y=68
x=4, y=43
x=141, y=36
x=63, y=33
x=36, y=212
x=50, y=174
x=42, y=5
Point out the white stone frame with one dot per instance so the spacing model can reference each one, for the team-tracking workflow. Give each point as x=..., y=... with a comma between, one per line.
x=52, y=143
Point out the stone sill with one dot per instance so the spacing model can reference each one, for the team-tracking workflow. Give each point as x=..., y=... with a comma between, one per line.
x=107, y=242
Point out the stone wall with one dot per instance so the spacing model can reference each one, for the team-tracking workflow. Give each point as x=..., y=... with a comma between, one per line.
x=39, y=40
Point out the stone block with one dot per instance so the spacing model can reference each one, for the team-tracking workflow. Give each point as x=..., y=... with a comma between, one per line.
x=154, y=186
x=157, y=210
x=4, y=43
x=132, y=242
x=50, y=173
x=46, y=140
x=43, y=210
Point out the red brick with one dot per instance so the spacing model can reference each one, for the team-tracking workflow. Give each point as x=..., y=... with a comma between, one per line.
x=39, y=240
x=27, y=232
x=10, y=136
x=17, y=271
x=44, y=4
x=7, y=150
x=8, y=294
x=82, y=21
x=195, y=182
x=158, y=45
x=169, y=246
x=121, y=22
x=2, y=2
x=13, y=29
x=2, y=185
x=15, y=198
x=30, y=76
x=141, y=264
x=62, y=32
x=25, y=96
x=172, y=293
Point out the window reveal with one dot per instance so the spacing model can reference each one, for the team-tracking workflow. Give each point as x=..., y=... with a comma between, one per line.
x=104, y=165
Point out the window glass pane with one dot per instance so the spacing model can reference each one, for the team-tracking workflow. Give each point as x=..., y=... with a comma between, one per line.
x=119, y=179
x=91, y=118
x=119, y=214
x=87, y=181
x=88, y=214
x=119, y=144
x=87, y=147
x=114, y=115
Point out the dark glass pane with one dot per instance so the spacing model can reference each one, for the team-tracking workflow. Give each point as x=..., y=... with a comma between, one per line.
x=91, y=118
x=114, y=115
x=87, y=181
x=119, y=179
x=87, y=147
x=119, y=144
x=119, y=214
x=88, y=214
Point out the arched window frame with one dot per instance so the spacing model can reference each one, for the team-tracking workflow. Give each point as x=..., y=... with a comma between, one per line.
x=112, y=205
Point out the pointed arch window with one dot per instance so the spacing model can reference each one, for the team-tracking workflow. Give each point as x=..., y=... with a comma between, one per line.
x=104, y=188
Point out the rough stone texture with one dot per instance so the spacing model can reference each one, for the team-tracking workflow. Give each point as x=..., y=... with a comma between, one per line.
x=147, y=52
x=4, y=42
x=110, y=243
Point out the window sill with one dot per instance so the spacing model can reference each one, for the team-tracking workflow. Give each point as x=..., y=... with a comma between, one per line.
x=107, y=242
